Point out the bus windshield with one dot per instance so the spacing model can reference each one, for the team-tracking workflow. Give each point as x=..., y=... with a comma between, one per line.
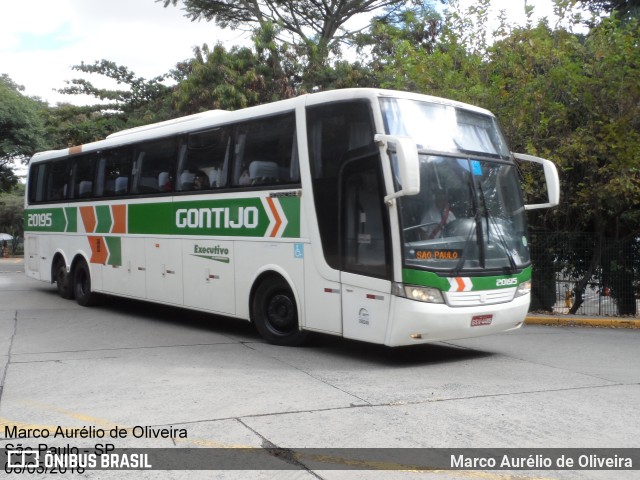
x=469, y=214
x=444, y=128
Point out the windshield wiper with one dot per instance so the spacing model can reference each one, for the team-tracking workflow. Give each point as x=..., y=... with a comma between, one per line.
x=478, y=229
x=513, y=268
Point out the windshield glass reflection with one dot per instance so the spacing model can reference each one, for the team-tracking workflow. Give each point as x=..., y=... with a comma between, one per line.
x=469, y=215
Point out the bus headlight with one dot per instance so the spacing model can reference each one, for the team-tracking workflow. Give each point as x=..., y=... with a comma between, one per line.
x=421, y=294
x=523, y=288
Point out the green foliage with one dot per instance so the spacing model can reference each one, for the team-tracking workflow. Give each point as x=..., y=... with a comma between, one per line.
x=137, y=102
x=11, y=215
x=68, y=125
x=21, y=129
x=313, y=30
x=236, y=78
x=624, y=8
x=138, y=93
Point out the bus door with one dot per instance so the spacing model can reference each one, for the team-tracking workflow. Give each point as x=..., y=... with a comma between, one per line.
x=364, y=249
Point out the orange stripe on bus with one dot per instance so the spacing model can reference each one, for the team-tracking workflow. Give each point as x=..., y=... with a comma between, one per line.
x=99, y=252
x=272, y=206
x=119, y=218
x=461, y=284
x=88, y=215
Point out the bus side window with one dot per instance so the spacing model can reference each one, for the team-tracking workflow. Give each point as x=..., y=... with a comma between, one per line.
x=156, y=162
x=57, y=181
x=83, y=175
x=115, y=172
x=203, y=164
x=266, y=152
x=36, y=182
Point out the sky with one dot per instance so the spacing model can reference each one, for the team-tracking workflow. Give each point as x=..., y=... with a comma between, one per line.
x=40, y=40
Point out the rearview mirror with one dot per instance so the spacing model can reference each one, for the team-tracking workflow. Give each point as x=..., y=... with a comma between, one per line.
x=408, y=165
x=551, y=178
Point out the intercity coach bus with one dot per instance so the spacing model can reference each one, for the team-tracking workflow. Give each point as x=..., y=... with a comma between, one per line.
x=376, y=215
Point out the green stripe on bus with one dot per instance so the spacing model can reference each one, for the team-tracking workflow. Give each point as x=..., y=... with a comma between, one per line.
x=44, y=220
x=429, y=279
x=72, y=219
x=114, y=244
x=242, y=217
x=291, y=208
x=103, y=216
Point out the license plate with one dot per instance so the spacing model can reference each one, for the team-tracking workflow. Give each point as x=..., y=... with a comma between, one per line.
x=481, y=320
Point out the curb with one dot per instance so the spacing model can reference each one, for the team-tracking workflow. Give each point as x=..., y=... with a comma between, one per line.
x=583, y=322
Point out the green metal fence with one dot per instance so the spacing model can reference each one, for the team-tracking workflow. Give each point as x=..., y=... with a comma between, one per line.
x=585, y=274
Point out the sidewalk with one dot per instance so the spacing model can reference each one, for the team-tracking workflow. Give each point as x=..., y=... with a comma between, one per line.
x=582, y=321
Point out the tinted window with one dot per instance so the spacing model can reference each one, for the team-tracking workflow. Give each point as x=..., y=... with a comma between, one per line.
x=363, y=219
x=115, y=172
x=156, y=166
x=83, y=174
x=266, y=152
x=206, y=159
x=36, y=182
x=57, y=181
x=337, y=133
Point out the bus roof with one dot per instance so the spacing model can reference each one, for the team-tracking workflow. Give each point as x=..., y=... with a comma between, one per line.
x=213, y=118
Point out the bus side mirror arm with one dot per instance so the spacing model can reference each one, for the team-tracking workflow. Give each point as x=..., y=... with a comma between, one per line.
x=408, y=165
x=551, y=178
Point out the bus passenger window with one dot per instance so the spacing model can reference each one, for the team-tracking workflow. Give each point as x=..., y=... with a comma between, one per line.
x=156, y=163
x=57, y=182
x=36, y=182
x=114, y=172
x=266, y=152
x=204, y=165
x=83, y=175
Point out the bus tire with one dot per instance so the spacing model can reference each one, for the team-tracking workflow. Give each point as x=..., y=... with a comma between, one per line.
x=63, y=280
x=275, y=313
x=82, y=285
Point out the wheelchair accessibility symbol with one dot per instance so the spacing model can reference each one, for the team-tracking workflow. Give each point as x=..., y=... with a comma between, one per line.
x=298, y=250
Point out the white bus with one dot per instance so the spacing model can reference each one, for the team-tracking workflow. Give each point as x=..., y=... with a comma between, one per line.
x=381, y=216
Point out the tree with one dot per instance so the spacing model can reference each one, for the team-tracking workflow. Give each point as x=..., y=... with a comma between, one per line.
x=239, y=77
x=21, y=129
x=569, y=97
x=11, y=214
x=308, y=21
x=140, y=101
x=138, y=91
x=315, y=28
x=624, y=8
x=576, y=100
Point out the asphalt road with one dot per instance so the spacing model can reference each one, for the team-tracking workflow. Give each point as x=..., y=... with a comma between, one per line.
x=126, y=363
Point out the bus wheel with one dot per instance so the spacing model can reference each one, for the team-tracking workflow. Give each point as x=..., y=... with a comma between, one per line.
x=63, y=280
x=82, y=285
x=275, y=313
